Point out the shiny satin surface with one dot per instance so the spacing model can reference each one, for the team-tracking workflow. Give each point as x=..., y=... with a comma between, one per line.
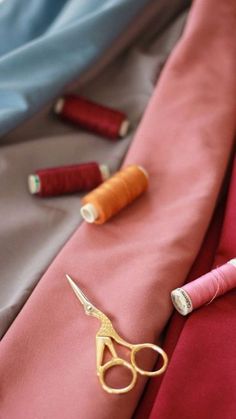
x=50, y=46
x=46, y=141
x=142, y=254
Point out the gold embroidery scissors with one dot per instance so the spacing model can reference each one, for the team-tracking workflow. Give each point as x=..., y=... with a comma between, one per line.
x=104, y=338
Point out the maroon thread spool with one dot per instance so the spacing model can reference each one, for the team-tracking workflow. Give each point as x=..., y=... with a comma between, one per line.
x=67, y=179
x=97, y=118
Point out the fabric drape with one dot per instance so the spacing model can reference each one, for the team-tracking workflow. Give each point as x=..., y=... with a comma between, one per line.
x=34, y=230
x=203, y=264
x=61, y=41
x=48, y=355
x=207, y=340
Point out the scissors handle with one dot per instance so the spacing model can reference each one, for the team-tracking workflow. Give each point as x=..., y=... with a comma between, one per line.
x=114, y=362
x=133, y=367
x=139, y=347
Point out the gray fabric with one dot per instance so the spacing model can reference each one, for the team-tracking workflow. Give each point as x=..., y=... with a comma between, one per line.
x=33, y=230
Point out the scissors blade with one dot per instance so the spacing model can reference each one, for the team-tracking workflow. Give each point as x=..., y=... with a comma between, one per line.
x=79, y=294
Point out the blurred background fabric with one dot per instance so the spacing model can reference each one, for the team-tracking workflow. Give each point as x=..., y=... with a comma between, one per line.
x=35, y=229
x=46, y=45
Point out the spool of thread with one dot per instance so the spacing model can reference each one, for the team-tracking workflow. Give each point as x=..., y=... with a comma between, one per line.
x=114, y=194
x=205, y=289
x=67, y=179
x=97, y=118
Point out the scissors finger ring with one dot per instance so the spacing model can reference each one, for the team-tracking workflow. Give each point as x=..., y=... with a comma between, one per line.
x=139, y=347
x=102, y=369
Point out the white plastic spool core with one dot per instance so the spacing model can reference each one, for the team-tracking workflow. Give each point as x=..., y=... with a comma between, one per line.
x=105, y=172
x=233, y=262
x=59, y=106
x=181, y=301
x=124, y=128
x=144, y=171
x=34, y=184
x=89, y=213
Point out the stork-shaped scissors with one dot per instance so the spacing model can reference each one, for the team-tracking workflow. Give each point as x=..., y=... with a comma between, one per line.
x=104, y=338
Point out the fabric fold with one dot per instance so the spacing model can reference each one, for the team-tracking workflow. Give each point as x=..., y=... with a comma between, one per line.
x=66, y=46
x=45, y=224
x=129, y=266
x=207, y=339
x=149, y=404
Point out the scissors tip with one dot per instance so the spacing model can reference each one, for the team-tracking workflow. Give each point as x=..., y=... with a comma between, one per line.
x=79, y=294
x=70, y=280
x=74, y=286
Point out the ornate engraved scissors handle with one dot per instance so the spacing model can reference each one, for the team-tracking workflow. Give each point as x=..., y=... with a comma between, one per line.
x=101, y=343
x=104, y=338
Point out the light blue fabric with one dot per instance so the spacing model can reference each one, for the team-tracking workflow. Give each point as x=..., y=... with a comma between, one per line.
x=21, y=20
x=45, y=44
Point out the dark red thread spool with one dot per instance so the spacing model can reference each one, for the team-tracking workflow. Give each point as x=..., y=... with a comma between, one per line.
x=67, y=179
x=97, y=118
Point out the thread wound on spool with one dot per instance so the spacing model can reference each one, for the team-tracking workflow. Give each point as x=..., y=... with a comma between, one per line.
x=115, y=194
x=67, y=179
x=89, y=115
x=204, y=290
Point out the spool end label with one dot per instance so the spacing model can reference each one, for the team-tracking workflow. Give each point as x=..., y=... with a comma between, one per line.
x=181, y=301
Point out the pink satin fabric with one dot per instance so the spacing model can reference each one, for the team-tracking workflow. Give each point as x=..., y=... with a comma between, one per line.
x=128, y=266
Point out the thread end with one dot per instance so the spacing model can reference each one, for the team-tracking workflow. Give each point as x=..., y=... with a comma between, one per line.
x=124, y=128
x=181, y=301
x=59, y=106
x=34, y=184
x=89, y=213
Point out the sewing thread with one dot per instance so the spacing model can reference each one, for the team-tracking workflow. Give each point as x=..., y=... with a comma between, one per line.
x=203, y=290
x=114, y=194
x=67, y=179
x=89, y=115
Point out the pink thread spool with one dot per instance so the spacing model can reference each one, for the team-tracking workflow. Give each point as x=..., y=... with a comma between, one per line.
x=205, y=289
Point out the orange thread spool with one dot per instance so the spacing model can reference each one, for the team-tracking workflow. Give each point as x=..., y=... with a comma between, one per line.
x=114, y=194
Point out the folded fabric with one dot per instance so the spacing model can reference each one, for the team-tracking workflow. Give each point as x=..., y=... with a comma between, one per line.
x=51, y=46
x=22, y=22
x=203, y=263
x=34, y=230
x=208, y=341
x=129, y=266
